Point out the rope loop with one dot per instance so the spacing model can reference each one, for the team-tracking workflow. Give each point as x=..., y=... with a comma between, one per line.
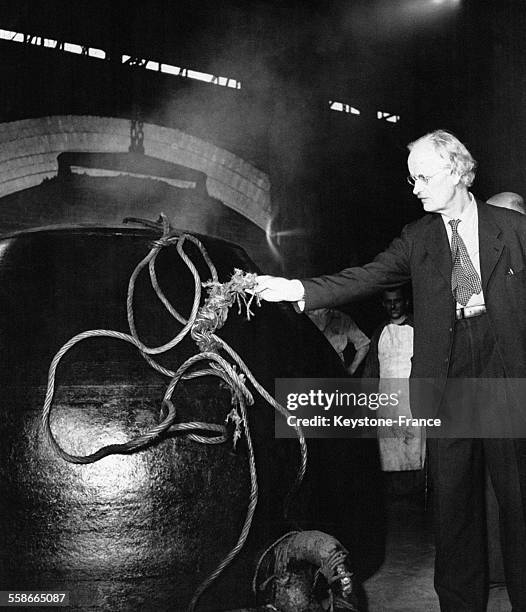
x=202, y=324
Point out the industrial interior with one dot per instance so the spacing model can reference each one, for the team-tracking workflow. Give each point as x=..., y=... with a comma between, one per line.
x=154, y=158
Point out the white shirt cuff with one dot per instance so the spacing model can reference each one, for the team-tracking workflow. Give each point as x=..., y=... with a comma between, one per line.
x=299, y=305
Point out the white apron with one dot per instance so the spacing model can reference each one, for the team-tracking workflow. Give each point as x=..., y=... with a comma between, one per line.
x=401, y=447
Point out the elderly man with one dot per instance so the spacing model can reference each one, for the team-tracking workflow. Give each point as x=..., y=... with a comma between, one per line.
x=467, y=264
x=508, y=199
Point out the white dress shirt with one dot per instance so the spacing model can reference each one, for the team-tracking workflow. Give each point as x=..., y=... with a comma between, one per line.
x=339, y=329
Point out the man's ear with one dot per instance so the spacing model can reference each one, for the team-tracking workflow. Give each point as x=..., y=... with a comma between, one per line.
x=456, y=178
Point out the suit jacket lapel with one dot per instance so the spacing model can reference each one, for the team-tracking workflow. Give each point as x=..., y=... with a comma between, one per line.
x=490, y=243
x=437, y=245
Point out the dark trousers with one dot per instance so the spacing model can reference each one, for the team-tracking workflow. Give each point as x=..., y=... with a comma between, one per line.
x=457, y=470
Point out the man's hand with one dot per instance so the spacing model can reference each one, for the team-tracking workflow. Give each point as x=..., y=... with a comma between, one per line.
x=277, y=289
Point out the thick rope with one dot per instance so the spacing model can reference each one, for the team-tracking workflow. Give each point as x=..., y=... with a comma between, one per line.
x=333, y=568
x=248, y=519
x=260, y=561
x=201, y=323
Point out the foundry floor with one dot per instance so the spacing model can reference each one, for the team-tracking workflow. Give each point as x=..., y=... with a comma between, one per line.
x=404, y=583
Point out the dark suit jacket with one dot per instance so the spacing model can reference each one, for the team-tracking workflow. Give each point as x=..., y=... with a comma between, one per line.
x=422, y=254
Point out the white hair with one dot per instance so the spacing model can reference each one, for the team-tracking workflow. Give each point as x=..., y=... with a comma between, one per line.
x=449, y=147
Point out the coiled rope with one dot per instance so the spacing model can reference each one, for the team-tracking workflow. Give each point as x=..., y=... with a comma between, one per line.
x=201, y=323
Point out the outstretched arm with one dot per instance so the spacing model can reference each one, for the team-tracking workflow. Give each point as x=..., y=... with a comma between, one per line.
x=389, y=268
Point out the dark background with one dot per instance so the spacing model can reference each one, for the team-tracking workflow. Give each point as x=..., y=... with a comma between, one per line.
x=338, y=180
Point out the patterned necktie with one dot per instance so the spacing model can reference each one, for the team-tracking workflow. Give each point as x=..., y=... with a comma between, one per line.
x=464, y=278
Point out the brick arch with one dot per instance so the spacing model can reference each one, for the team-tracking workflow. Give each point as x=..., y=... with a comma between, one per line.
x=29, y=151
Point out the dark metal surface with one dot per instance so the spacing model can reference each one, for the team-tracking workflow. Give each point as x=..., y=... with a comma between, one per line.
x=141, y=531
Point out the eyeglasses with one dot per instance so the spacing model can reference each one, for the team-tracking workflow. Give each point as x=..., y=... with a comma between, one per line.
x=425, y=179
